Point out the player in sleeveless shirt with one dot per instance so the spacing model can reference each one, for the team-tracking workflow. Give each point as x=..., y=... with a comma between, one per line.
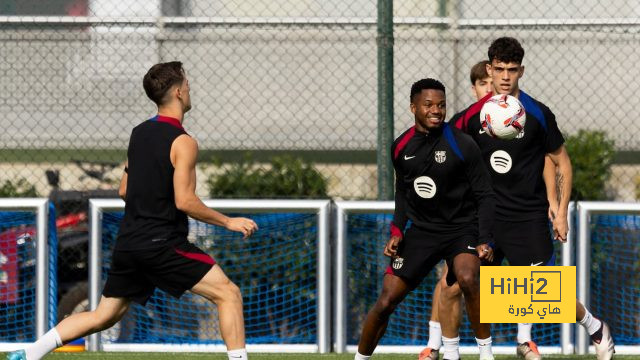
x=152, y=250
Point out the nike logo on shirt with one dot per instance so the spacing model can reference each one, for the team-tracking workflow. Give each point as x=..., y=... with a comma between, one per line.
x=409, y=157
x=481, y=131
x=540, y=263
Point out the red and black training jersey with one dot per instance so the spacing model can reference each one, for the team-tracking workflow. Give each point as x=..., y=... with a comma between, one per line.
x=516, y=165
x=151, y=218
x=442, y=185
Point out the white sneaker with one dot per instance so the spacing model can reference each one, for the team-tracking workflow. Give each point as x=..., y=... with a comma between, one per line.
x=605, y=347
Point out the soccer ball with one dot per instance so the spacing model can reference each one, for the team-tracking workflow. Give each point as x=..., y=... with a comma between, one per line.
x=503, y=117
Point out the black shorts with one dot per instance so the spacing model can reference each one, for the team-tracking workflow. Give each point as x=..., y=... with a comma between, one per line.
x=135, y=274
x=421, y=250
x=523, y=243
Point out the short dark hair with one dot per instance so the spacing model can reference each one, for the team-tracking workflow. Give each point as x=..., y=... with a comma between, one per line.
x=160, y=78
x=506, y=49
x=425, y=84
x=479, y=71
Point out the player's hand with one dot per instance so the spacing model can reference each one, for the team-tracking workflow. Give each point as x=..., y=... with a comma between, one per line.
x=485, y=252
x=391, y=248
x=246, y=226
x=560, y=228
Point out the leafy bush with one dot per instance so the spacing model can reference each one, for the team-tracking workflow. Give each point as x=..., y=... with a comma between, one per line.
x=591, y=155
x=286, y=176
x=19, y=188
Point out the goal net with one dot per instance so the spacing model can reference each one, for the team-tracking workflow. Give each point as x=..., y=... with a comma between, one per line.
x=615, y=274
x=277, y=270
x=362, y=239
x=27, y=269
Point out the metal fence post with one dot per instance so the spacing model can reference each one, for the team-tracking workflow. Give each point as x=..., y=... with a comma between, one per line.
x=385, y=98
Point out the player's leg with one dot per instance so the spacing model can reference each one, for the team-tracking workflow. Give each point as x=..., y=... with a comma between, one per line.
x=415, y=258
x=435, y=333
x=598, y=331
x=183, y=267
x=526, y=243
x=450, y=303
x=216, y=287
x=394, y=290
x=124, y=283
x=466, y=268
x=109, y=311
x=450, y=314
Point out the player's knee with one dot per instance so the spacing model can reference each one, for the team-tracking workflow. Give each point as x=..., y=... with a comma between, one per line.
x=385, y=306
x=467, y=280
x=235, y=293
x=230, y=292
x=451, y=292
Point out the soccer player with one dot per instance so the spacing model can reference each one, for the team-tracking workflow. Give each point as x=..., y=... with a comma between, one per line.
x=443, y=187
x=481, y=83
x=451, y=296
x=152, y=250
x=523, y=206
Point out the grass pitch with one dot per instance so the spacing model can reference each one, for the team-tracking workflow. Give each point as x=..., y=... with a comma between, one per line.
x=222, y=356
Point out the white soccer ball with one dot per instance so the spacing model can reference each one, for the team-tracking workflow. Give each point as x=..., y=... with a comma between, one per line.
x=503, y=117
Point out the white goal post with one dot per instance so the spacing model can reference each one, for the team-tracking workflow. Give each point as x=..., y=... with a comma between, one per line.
x=321, y=208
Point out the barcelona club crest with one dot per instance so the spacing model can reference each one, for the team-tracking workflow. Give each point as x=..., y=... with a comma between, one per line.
x=441, y=156
x=397, y=263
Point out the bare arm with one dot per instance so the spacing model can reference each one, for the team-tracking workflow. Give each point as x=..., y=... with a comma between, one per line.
x=549, y=177
x=122, y=190
x=564, y=177
x=184, y=152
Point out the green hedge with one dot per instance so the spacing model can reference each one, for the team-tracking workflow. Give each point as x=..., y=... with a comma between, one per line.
x=18, y=188
x=284, y=177
x=591, y=155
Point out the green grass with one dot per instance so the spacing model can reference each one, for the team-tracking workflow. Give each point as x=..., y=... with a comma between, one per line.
x=221, y=356
x=204, y=155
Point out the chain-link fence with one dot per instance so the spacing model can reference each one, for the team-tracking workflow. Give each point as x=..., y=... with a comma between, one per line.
x=290, y=78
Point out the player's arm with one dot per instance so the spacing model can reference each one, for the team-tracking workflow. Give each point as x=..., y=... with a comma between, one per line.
x=561, y=160
x=184, y=152
x=549, y=177
x=399, y=214
x=122, y=190
x=480, y=182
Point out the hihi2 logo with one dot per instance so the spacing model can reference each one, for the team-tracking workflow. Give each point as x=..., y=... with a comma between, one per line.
x=528, y=294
